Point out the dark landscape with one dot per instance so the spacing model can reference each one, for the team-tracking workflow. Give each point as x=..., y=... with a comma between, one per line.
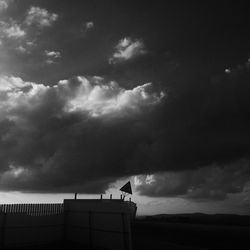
x=191, y=231
x=177, y=232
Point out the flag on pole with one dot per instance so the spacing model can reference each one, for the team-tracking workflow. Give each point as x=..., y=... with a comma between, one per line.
x=127, y=188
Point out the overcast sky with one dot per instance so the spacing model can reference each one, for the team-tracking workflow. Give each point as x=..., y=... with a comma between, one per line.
x=95, y=93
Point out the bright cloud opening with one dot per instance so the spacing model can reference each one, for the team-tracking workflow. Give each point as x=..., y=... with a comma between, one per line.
x=40, y=17
x=3, y=5
x=126, y=49
x=108, y=98
x=93, y=95
x=11, y=30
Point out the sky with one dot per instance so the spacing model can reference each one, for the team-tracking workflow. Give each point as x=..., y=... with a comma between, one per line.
x=97, y=93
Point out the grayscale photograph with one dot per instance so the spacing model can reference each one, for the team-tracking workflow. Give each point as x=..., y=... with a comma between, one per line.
x=124, y=125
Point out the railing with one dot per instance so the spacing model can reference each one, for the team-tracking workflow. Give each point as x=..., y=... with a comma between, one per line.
x=33, y=209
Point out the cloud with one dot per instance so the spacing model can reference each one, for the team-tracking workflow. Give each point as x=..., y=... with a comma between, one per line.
x=74, y=136
x=11, y=30
x=86, y=132
x=10, y=83
x=26, y=47
x=30, y=43
x=21, y=49
x=52, y=56
x=200, y=147
x=3, y=5
x=109, y=98
x=214, y=182
x=40, y=17
x=88, y=25
x=126, y=49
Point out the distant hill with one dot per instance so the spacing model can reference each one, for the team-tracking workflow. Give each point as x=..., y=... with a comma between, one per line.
x=200, y=218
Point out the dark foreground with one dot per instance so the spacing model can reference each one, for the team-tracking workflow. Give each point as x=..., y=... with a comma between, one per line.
x=166, y=235
x=176, y=233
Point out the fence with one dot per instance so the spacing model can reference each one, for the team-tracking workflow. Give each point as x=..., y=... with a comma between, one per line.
x=30, y=224
x=33, y=209
x=94, y=223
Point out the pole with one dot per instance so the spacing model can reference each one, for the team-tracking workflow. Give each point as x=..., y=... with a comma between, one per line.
x=3, y=214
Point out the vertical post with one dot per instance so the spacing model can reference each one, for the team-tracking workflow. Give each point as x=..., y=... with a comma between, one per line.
x=90, y=229
x=28, y=208
x=65, y=224
x=124, y=232
x=2, y=243
x=121, y=196
x=101, y=197
x=110, y=196
x=75, y=196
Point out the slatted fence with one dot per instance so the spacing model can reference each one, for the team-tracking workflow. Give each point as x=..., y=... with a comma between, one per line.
x=33, y=209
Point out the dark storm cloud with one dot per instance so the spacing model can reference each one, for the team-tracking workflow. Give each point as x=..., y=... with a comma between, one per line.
x=212, y=182
x=85, y=133
x=205, y=137
x=76, y=135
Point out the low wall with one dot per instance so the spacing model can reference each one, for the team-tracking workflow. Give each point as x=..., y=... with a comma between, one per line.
x=18, y=229
x=99, y=223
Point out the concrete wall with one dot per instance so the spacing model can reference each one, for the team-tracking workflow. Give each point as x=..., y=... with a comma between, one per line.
x=99, y=223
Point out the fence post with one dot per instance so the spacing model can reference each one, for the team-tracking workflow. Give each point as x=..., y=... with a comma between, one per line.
x=90, y=228
x=126, y=232
x=2, y=243
x=65, y=224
